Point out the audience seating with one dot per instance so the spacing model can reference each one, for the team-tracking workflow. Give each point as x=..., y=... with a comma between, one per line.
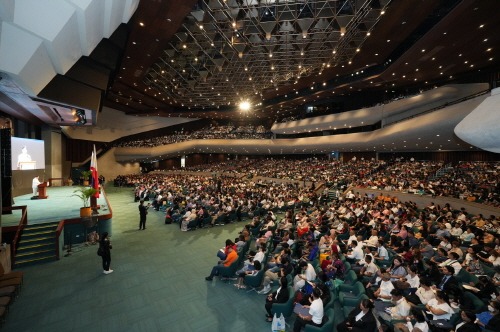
x=351, y=298
x=327, y=326
x=478, y=305
x=285, y=308
x=466, y=278
x=254, y=281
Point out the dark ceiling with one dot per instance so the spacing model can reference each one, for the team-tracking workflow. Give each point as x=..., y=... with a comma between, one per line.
x=387, y=46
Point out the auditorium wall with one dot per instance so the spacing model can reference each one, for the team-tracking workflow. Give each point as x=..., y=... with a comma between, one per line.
x=109, y=168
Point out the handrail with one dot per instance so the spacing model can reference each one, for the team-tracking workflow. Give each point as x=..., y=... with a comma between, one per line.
x=23, y=222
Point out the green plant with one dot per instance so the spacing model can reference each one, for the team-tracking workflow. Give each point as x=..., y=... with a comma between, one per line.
x=86, y=175
x=84, y=193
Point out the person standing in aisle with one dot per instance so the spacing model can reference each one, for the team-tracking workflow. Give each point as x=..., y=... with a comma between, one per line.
x=106, y=247
x=143, y=212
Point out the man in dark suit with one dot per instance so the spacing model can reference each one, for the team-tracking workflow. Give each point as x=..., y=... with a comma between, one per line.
x=360, y=319
x=279, y=296
x=448, y=282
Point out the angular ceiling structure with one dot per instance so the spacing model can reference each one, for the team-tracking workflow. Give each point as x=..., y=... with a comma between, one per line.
x=227, y=52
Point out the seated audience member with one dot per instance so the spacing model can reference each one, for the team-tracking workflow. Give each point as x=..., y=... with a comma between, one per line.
x=455, y=247
x=336, y=268
x=487, y=289
x=424, y=293
x=490, y=320
x=241, y=276
x=360, y=319
x=382, y=253
x=440, y=257
x=448, y=282
x=307, y=273
x=399, y=311
x=356, y=253
x=285, y=269
x=222, y=253
x=468, y=323
x=427, y=249
x=240, y=242
x=315, y=316
x=439, y=306
x=452, y=261
x=232, y=256
x=281, y=295
x=385, y=288
x=419, y=326
x=369, y=269
x=474, y=266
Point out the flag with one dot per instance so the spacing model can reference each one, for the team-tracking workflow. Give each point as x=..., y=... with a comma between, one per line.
x=95, y=175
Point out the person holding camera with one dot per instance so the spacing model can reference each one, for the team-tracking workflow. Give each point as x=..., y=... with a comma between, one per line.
x=143, y=212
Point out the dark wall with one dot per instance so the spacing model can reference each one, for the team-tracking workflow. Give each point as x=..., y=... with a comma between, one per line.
x=80, y=150
x=22, y=180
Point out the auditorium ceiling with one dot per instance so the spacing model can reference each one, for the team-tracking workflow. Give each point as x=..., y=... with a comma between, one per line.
x=201, y=59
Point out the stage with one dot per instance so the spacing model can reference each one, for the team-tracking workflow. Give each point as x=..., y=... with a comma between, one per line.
x=58, y=206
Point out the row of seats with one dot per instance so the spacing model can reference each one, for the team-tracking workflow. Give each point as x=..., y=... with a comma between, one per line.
x=10, y=285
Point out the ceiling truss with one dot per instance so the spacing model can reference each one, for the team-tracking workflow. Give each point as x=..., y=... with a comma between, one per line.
x=245, y=46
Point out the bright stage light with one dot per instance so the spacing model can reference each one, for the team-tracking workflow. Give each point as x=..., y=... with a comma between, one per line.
x=245, y=106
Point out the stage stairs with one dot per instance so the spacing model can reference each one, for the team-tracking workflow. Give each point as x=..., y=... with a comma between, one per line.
x=37, y=244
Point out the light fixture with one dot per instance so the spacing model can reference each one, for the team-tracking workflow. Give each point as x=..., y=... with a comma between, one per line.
x=244, y=106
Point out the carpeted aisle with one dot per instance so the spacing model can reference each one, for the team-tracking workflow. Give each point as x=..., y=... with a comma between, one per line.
x=158, y=283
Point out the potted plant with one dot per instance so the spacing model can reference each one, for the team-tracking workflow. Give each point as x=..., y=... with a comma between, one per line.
x=86, y=176
x=84, y=193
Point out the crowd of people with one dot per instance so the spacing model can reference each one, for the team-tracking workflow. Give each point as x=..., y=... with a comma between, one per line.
x=471, y=181
x=408, y=258
x=211, y=132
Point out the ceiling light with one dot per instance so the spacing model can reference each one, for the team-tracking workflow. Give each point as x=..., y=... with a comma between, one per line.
x=141, y=24
x=481, y=26
x=382, y=12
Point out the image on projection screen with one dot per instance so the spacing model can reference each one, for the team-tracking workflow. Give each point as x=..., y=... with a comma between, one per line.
x=27, y=153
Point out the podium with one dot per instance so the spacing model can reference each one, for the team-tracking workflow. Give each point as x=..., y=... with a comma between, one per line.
x=42, y=190
x=27, y=165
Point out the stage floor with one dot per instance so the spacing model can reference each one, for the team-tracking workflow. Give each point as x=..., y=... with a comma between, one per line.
x=59, y=205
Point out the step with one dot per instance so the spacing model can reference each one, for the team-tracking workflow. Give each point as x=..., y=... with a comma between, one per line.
x=35, y=229
x=37, y=240
x=34, y=246
x=32, y=261
x=37, y=234
x=42, y=225
x=34, y=253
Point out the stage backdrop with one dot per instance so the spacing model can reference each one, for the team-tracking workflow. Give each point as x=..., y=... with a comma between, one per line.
x=22, y=180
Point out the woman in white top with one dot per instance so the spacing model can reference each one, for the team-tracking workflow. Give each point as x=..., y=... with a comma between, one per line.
x=439, y=307
x=420, y=324
x=425, y=292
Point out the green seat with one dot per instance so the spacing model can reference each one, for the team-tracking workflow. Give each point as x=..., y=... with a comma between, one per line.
x=353, y=301
x=352, y=296
x=478, y=305
x=285, y=308
x=349, y=281
x=229, y=271
x=327, y=327
x=254, y=281
x=465, y=277
x=488, y=270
